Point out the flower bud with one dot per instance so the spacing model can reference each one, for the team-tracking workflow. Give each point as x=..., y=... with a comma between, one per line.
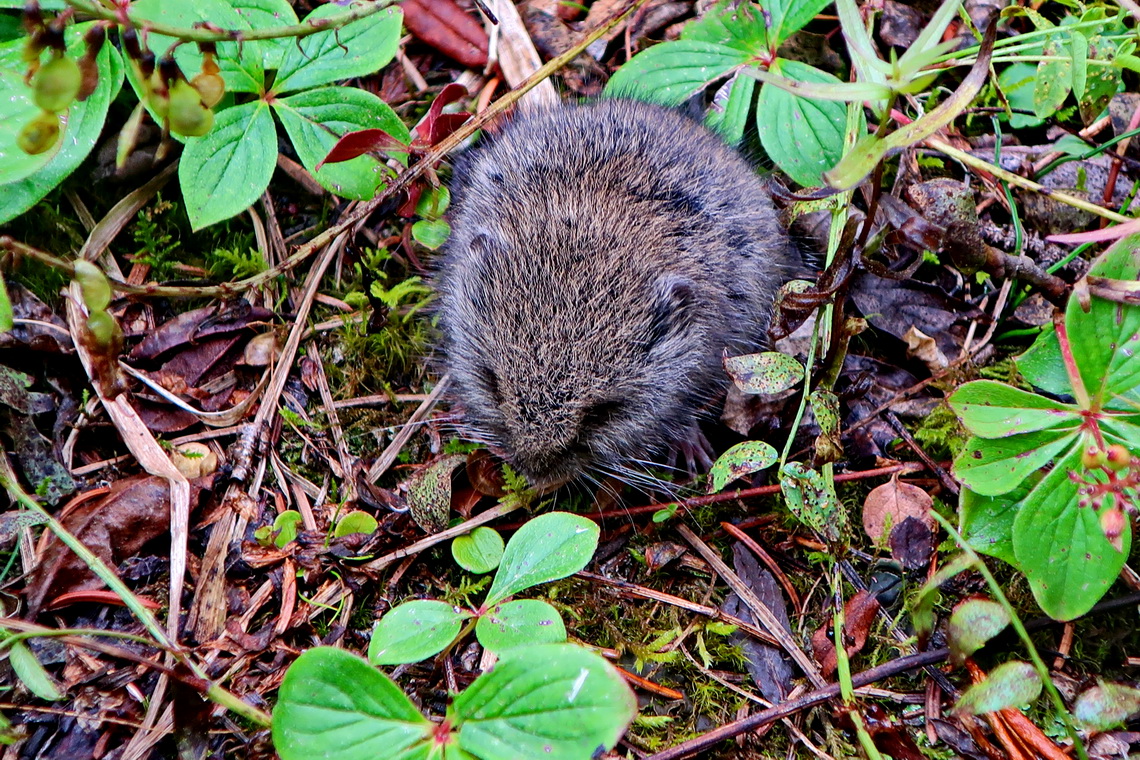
x=105, y=331
x=1092, y=457
x=1117, y=457
x=39, y=134
x=57, y=83
x=1112, y=523
x=93, y=283
x=187, y=115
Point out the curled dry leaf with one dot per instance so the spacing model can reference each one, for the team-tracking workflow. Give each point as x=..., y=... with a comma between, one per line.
x=890, y=504
x=194, y=460
x=858, y=614
x=485, y=475
x=429, y=492
x=133, y=512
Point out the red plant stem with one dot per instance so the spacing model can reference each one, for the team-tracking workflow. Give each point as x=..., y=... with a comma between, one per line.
x=1071, y=369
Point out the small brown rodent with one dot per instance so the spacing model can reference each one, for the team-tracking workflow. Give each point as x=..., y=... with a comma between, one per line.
x=602, y=257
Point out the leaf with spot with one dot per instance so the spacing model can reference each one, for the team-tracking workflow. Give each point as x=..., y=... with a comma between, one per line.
x=1106, y=706
x=1011, y=684
x=972, y=624
x=992, y=467
x=768, y=372
x=429, y=492
x=1061, y=547
x=742, y=459
x=521, y=622
x=1054, y=77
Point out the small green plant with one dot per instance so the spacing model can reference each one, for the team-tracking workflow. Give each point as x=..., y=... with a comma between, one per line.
x=803, y=137
x=231, y=140
x=555, y=701
x=547, y=548
x=1051, y=485
x=478, y=552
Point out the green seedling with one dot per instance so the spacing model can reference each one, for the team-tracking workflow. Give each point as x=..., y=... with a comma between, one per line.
x=555, y=701
x=547, y=548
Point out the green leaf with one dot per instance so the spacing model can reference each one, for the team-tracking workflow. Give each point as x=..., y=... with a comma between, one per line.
x=414, y=631
x=811, y=498
x=19, y=110
x=1011, y=684
x=7, y=316
x=264, y=14
x=31, y=673
x=670, y=73
x=729, y=119
x=768, y=372
x=547, y=548
x=431, y=233
x=244, y=74
x=803, y=137
x=986, y=522
x=334, y=704
x=225, y=172
x=994, y=467
x=480, y=551
x=742, y=459
x=1054, y=78
x=972, y=624
x=1079, y=52
x=355, y=522
x=1017, y=81
x=1106, y=706
x=1044, y=366
x=518, y=623
x=552, y=701
x=316, y=119
x=789, y=16
x=740, y=26
x=1106, y=339
x=286, y=526
x=21, y=189
x=1061, y=548
x=358, y=49
x=995, y=410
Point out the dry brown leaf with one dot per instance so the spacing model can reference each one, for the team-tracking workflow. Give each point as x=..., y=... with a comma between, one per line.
x=890, y=504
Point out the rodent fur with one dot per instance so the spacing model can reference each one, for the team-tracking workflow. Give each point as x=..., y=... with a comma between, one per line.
x=602, y=258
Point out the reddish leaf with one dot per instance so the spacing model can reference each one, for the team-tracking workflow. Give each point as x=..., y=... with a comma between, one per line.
x=858, y=614
x=447, y=28
x=354, y=144
x=437, y=125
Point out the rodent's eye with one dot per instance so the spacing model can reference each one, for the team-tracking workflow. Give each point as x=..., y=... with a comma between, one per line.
x=601, y=414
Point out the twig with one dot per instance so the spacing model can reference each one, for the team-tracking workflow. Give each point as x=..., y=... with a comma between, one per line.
x=759, y=609
x=793, y=706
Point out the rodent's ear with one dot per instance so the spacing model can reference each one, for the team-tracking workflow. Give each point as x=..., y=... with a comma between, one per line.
x=672, y=308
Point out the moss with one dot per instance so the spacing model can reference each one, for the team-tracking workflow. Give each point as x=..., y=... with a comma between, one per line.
x=940, y=433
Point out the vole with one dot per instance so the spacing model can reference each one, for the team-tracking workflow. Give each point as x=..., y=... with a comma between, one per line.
x=602, y=258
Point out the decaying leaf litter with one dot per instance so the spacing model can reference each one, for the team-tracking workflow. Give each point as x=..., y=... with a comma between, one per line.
x=272, y=445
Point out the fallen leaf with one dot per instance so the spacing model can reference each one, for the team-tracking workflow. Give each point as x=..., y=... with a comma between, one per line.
x=891, y=503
